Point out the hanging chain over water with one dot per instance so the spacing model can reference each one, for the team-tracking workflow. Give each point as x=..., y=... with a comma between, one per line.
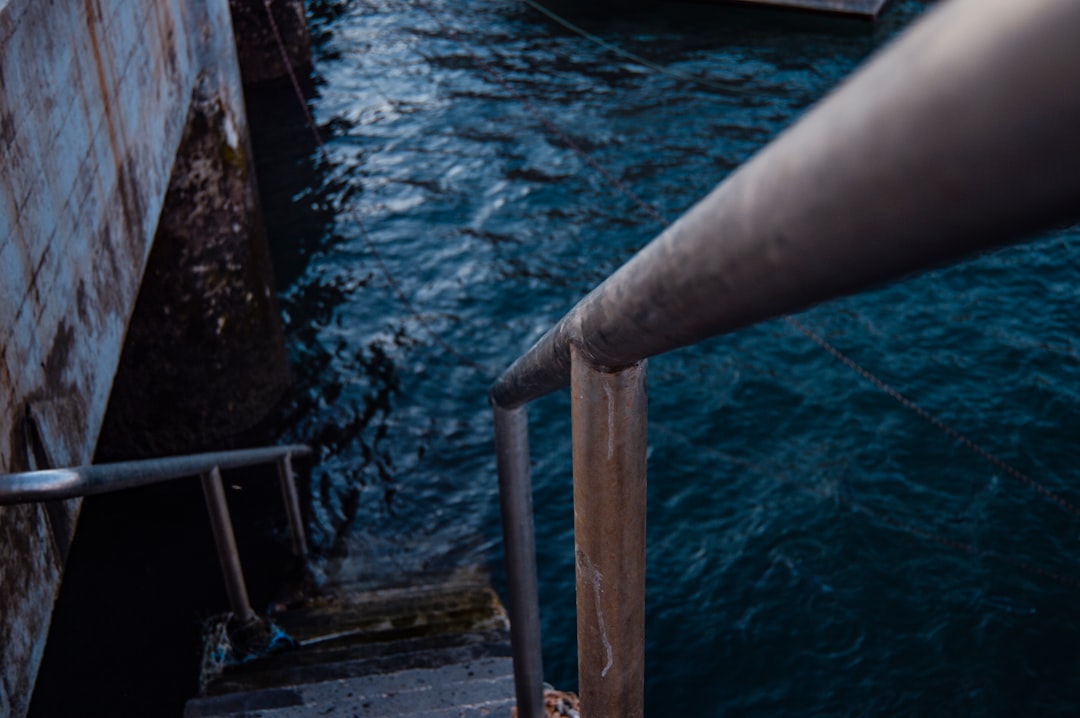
x=934, y=421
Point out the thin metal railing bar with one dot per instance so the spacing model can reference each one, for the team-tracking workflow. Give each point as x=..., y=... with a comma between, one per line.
x=957, y=138
x=228, y=555
x=51, y=484
x=289, y=495
x=519, y=544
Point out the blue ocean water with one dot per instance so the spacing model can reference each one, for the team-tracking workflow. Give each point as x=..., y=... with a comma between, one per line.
x=815, y=547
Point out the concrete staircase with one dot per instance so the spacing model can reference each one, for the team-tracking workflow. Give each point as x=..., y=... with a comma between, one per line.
x=430, y=647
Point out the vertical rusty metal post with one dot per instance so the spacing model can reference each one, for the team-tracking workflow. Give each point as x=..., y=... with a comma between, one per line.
x=519, y=543
x=292, y=506
x=608, y=409
x=228, y=554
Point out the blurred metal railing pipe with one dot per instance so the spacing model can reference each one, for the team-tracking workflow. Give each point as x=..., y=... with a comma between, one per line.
x=960, y=136
x=289, y=495
x=225, y=540
x=519, y=545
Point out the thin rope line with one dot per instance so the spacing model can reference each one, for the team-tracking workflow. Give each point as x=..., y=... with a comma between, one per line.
x=784, y=473
x=390, y=280
x=963, y=547
x=686, y=77
x=922, y=413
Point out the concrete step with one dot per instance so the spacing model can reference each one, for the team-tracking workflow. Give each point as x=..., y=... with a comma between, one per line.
x=292, y=669
x=341, y=651
x=426, y=647
x=483, y=687
x=393, y=615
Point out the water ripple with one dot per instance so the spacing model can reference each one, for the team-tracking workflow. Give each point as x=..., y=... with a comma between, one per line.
x=813, y=547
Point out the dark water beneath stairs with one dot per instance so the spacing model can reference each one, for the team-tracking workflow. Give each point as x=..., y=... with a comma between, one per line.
x=814, y=548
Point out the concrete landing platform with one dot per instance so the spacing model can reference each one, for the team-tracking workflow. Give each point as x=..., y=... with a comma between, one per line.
x=429, y=647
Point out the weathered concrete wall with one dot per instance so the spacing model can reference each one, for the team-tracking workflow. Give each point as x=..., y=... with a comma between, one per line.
x=93, y=99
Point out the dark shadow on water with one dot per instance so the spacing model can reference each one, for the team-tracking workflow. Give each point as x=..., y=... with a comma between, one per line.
x=293, y=186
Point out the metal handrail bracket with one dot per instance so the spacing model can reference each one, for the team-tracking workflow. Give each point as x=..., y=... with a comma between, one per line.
x=959, y=137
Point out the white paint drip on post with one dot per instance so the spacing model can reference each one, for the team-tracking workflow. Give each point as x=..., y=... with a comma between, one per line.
x=610, y=423
x=596, y=580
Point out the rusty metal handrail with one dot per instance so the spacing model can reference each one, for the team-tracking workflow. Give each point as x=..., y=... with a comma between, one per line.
x=960, y=136
x=78, y=481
